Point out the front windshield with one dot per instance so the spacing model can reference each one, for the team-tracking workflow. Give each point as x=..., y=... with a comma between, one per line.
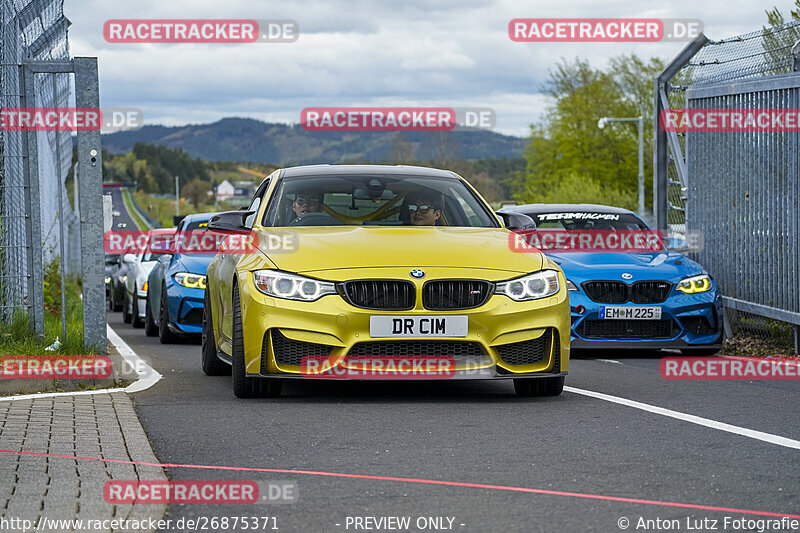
x=586, y=220
x=194, y=239
x=376, y=200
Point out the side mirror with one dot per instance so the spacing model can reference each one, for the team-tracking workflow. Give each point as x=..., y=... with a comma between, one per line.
x=229, y=221
x=516, y=221
x=129, y=258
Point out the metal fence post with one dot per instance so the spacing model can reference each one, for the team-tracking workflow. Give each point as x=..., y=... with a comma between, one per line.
x=660, y=155
x=62, y=236
x=659, y=161
x=91, y=211
x=640, y=123
x=33, y=219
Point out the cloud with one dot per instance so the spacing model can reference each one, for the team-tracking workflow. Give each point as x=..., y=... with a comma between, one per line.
x=357, y=52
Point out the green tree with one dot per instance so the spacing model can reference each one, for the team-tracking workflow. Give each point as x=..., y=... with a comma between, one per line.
x=569, y=158
x=778, y=43
x=197, y=191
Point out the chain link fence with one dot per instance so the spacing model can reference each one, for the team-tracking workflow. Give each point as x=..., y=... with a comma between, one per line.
x=741, y=189
x=34, y=31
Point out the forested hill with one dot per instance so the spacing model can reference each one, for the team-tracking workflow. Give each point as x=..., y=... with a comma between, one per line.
x=243, y=139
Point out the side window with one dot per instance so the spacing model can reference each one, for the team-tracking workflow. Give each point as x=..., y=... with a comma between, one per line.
x=253, y=207
x=255, y=203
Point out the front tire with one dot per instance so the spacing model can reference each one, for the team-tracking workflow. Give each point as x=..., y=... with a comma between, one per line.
x=244, y=386
x=115, y=305
x=150, y=326
x=137, y=321
x=212, y=366
x=164, y=334
x=126, y=315
x=538, y=387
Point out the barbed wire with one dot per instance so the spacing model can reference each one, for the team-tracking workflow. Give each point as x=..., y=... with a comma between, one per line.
x=765, y=52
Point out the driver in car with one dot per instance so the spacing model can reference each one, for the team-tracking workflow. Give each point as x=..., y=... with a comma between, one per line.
x=309, y=201
x=424, y=209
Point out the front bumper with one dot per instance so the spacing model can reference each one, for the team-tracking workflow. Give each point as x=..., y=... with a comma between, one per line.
x=532, y=336
x=695, y=321
x=185, y=310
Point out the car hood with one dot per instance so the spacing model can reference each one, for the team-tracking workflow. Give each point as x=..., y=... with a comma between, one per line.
x=195, y=264
x=329, y=248
x=642, y=266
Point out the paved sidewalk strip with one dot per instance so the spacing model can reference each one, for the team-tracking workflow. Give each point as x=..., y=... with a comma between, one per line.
x=100, y=425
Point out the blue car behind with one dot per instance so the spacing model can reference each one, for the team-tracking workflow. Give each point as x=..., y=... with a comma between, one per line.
x=601, y=282
x=177, y=288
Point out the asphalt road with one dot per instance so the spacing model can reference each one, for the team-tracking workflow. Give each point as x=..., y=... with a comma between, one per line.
x=479, y=432
x=117, y=205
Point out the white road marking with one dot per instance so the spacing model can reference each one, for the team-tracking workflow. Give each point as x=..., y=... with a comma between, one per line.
x=148, y=376
x=610, y=361
x=55, y=394
x=700, y=421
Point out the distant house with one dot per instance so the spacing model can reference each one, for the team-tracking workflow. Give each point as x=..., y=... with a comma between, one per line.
x=236, y=193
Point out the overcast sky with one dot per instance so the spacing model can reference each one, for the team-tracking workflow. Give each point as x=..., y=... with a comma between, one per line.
x=453, y=53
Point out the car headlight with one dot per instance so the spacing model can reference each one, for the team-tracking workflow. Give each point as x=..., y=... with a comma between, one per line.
x=291, y=286
x=530, y=287
x=108, y=279
x=695, y=284
x=190, y=281
x=571, y=286
x=123, y=279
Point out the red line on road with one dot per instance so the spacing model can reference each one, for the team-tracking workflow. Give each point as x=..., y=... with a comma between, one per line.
x=422, y=481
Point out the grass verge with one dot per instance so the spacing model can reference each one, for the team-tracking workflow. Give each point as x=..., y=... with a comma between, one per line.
x=128, y=201
x=16, y=337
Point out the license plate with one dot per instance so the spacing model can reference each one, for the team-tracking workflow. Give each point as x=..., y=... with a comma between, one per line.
x=630, y=313
x=418, y=326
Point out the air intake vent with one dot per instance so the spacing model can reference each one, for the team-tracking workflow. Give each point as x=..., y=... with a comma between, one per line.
x=384, y=295
x=290, y=352
x=617, y=292
x=449, y=295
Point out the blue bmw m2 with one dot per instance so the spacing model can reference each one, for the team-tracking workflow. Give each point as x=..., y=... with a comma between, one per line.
x=650, y=298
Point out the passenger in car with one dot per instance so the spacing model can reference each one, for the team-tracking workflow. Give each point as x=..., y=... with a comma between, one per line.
x=308, y=201
x=422, y=209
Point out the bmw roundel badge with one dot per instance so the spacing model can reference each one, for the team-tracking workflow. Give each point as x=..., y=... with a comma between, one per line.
x=625, y=275
x=417, y=273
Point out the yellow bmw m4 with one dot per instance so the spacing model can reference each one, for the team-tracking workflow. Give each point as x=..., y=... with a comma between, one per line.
x=380, y=272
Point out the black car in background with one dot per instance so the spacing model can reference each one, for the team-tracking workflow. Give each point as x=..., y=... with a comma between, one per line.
x=116, y=275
